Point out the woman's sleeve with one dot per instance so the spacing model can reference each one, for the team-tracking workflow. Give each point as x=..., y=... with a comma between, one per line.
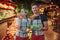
x=17, y=23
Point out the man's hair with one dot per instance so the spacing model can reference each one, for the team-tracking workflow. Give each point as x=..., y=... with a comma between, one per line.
x=34, y=4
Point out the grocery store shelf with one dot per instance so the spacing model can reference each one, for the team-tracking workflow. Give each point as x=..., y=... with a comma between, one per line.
x=4, y=20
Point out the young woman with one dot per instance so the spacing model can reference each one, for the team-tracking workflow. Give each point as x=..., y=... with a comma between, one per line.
x=22, y=24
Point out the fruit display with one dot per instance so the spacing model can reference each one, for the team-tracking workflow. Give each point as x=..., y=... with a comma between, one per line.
x=6, y=14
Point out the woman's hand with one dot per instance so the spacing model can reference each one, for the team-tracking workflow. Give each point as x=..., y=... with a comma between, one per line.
x=28, y=30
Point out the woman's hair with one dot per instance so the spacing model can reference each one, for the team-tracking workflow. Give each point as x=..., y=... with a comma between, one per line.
x=51, y=11
x=26, y=11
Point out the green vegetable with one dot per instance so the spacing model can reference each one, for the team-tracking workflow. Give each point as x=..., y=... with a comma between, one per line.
x=35, y=27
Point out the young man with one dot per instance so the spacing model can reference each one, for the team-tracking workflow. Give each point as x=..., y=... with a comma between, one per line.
x=38, y=20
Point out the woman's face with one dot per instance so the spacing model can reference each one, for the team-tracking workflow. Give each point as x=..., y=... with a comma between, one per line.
x=24, y=13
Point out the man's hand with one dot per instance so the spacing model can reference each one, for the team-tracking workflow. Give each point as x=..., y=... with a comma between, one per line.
x=41, y=28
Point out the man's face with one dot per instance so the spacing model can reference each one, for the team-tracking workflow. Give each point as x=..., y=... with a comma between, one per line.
x=35, y=9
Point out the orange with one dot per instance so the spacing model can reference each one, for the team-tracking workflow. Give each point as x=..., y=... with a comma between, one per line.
x=27, y=30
